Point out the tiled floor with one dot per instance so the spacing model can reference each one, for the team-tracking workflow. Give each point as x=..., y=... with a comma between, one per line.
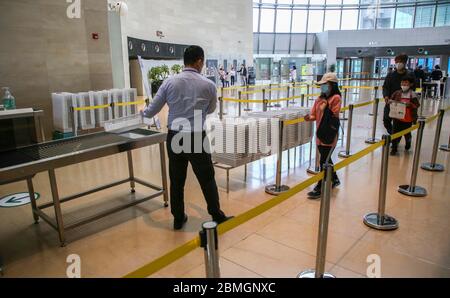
x=279, y=243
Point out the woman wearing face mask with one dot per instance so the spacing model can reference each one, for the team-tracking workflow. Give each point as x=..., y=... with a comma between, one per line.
x=407, y=96
x=331, y=97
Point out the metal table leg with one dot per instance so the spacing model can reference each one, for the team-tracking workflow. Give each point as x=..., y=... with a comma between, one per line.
x=162, y=154
x=131, y=171
x=57, y=206
x=1, y=267
x=32, y=200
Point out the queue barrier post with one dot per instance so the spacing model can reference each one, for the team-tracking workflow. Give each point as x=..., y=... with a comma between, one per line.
x=239, y=103
x=344, y=118
x=412, y=189
x=319, y=271
x=347, y=153
x=303, y=100
x=210, y=242
x=446, y=147
x=433, y=166
x=316, y=169
x=247, y=108
x=373, y=139
x=376, y=96
x=278, y=188
x=221, y=108
x=380, y=220
x=264, y=100
x=288, y=94
x=307, y=95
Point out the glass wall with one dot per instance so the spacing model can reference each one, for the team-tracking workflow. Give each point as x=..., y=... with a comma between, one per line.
x=313, y=16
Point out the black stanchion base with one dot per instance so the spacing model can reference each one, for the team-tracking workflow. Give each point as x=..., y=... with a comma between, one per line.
x=432, y=167
x=313, y=171
x=344, y=154
x=445, y=148
x=277, y=105
x=276, y=190
x=344, y=119
x=384, y=223
x=415, y=191
x=371, y=141
x=312, y=274
x=247, y=110
x=370, y=114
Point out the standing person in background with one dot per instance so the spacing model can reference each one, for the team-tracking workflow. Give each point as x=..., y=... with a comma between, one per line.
x=407, y=96
x=222, y=76
x=293, y=74
x=227, y=79
x=391, y=84
x=243, y=73
x=330, y=97
x=436, y=77
x=232, y=75
x=419, y=74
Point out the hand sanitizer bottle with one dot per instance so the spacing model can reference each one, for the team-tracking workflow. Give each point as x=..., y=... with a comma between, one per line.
x=9, y=102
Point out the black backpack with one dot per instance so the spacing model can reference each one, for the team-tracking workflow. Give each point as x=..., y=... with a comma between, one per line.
x=329, y=127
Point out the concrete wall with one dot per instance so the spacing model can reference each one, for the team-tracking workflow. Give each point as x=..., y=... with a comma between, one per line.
x=379, y=38
x=43, y=51
x=222, y=27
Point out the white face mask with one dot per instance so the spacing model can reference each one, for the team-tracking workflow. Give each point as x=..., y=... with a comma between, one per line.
x=405, y=88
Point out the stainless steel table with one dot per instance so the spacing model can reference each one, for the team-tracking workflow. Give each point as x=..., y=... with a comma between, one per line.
x=24, y=163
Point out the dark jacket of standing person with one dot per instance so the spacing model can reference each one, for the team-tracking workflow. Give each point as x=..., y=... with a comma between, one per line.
x=436, y=74
x=419, y=74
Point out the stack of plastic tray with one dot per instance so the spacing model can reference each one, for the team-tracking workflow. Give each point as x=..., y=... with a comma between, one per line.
x=103, y=115
x=230, y=145
x=88, y=119
x=304, y=131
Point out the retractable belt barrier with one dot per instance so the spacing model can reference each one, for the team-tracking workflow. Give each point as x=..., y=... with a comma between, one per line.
x=229, y=225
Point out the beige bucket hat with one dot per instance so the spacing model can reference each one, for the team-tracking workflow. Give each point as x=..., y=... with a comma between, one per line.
x=328, y=77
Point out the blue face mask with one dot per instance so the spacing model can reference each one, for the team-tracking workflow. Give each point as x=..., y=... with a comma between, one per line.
x=324, y=88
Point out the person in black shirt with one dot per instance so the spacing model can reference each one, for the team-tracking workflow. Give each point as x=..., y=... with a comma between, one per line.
x=391, y=84
x=419, y=73
x=436, y=77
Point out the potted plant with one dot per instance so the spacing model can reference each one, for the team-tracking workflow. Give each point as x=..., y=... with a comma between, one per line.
x=176, y=69
x=156, y=76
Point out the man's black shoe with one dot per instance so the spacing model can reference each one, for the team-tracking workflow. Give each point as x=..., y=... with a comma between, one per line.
x=178, y=224
x=223, y=219
x=336, y=183
x=408, y=146
x=315, y=194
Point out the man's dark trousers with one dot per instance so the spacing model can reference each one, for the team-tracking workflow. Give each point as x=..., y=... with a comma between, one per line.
x=204, y=171
x=387, y=121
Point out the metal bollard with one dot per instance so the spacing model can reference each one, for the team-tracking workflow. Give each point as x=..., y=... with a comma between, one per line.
x=221, y=108
x=345, y=104
x=210, y=242
x=247, y=109
x=446, y=147
x=347, y=153
x=307, y=95
x=264, y=100
x=316, y=169
x=376, y=97
x=373, y=139
x=277, y=188
x=239, y=103
x=288, y=94
x=433, y=166
x=412, y=189
x=380, y=220
x=269, y=105
x=421, y=100
x=303, y=100
x=319, y=272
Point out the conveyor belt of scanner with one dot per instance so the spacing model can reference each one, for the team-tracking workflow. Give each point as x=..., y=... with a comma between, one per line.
x=56, y=148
